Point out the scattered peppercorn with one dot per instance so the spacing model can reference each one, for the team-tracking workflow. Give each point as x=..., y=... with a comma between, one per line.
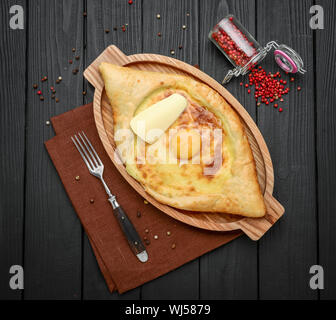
x=146, y=230
x=35, y=86
x=298, y=88
x=115, y=28
x=168, y=233
x=180, y=47
x=172, y=52
x=147, y=242
x=145, y=202
x=107, y=30
x=41, y=98
x=73, y=49
x=145, y=238
x=268, y=87
x=138, y=214
x=75, y=71
x=173, y=246
x=156, y=237
x=84, y=93
x=56, y=100
x=158, y=16
x=47, y=122
x=159, y=34
x=77, y=178
x=52, y=96
x=77, y=57
x=84, y=14
x=184, y=27
x=91, y=200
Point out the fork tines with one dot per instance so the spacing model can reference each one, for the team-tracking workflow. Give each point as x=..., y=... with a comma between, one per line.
x=87, y=151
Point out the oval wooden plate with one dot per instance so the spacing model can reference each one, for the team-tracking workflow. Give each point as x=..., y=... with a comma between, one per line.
x=253, y=227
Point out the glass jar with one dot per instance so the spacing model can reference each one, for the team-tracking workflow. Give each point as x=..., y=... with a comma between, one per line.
x=244, y=52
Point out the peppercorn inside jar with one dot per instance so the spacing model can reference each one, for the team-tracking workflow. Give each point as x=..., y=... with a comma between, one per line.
x=237, y=44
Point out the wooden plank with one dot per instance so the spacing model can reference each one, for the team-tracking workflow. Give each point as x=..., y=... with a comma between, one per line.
x=290, y=248
x=229, y=272
x=326, y=146
x=12, y=147
x=52, y=230
x=173, y=16
x=182, y=283
x=103, y=16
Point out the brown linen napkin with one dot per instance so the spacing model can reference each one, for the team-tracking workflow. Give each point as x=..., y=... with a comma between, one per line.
x=121, y=269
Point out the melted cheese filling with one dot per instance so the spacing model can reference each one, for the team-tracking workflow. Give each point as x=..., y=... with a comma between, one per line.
x=191, y=157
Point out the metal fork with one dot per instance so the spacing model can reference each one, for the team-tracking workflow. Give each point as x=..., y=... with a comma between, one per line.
x=96, y=168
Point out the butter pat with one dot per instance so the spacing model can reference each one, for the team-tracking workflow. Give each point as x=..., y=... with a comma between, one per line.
x=151, y=123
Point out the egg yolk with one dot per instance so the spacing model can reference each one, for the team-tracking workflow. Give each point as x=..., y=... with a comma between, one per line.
x=186, y=143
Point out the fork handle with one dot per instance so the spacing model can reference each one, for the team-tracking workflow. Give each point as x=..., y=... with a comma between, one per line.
x=129, y=231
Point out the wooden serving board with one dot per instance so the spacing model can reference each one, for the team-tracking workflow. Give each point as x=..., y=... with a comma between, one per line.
x=255, y=228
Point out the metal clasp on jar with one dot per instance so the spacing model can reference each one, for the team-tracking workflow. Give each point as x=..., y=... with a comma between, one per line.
x=287, y=59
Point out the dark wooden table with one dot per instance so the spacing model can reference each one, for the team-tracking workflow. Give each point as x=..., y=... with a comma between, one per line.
x=38, y=226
